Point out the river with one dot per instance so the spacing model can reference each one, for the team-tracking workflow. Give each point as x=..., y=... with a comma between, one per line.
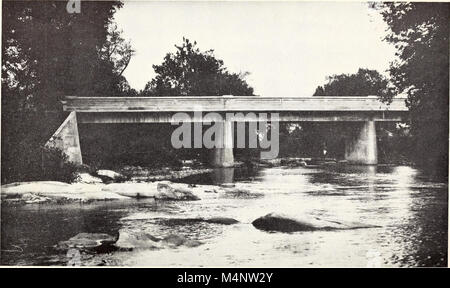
x=410, y=210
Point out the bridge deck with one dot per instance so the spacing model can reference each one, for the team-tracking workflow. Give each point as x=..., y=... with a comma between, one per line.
x=230, y=104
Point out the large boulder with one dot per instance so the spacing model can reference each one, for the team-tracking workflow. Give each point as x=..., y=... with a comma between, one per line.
x=34, y=192
x=133, y=190
x=131, y=240
x=174, y=191
x=158, y=190
x=49, y=187
x=87, y=178
x=88, y=241
x=221, y=220
x=283, y=223
x=188, y=221
x=110, y=176
x=43, y=191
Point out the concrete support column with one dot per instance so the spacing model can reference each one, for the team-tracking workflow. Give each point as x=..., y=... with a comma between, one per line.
x=67, y=139
x=223, y=175
x=361, y=146
x=223, y=156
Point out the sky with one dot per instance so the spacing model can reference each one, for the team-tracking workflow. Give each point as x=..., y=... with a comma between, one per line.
x=289, y=48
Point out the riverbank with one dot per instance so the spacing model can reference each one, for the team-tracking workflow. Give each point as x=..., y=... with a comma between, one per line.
x=90, y=188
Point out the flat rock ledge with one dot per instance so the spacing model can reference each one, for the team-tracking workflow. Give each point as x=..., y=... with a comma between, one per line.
x=132, y=240
x=274, y=222
x=60, y=192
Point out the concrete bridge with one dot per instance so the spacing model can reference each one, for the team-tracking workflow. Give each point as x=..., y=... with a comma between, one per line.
x=361, y=146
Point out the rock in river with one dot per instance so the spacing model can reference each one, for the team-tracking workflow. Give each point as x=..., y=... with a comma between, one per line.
x=44, y=191
x=159, y=190
x=222, y=220
x=133, y=190
x=188, y=221
x=129, y=240
x=176, y=240
x=168, y=190
x=110, y=175
x=20, y=188
x=88, y=241
x=87, y=179
x=33, y=199
x=282, y=223
x=240, y=193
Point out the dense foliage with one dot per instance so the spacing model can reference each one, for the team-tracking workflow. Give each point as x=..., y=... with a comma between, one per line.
x=191, y=72
x=364, y=83
x=187, y=72
x=48, y=53
x=420, y=33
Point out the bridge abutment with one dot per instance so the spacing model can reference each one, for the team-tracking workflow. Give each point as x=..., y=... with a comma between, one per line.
x=222, y=156
x=361, y=146
x=67, y=139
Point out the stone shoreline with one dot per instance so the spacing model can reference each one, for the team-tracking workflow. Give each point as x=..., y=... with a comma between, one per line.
x=59, y=192
x=112, y=186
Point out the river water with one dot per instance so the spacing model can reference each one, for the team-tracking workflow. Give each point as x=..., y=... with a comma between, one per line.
x=410, y=210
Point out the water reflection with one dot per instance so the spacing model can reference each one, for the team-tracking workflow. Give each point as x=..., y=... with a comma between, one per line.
x=29, y=233
x=222, y=176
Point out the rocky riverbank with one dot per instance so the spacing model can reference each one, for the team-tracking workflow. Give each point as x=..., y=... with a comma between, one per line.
x=59, y=192
x=145, y=174
x=111, y=185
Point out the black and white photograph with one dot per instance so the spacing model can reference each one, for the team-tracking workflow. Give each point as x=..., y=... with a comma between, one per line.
x=224, y=134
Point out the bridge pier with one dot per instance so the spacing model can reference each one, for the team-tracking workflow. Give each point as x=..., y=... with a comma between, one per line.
x=66, y=138
x=361, y=146
x=222, y=156
x=223, y=175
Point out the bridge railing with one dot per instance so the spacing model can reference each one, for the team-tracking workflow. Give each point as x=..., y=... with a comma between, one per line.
x=230, y=103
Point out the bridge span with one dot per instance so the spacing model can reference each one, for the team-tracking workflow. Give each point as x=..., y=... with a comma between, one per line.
x=361, y=147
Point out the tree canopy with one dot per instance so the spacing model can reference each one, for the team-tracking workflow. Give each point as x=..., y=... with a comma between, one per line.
x=420, y=34
x=364, y=83
x=191, y=72
x=48, y=53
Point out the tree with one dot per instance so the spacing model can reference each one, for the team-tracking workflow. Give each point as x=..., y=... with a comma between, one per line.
x=364, y=83
x=189, y=71
x=117, y=53
x=420, y=33
x=48, y=53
